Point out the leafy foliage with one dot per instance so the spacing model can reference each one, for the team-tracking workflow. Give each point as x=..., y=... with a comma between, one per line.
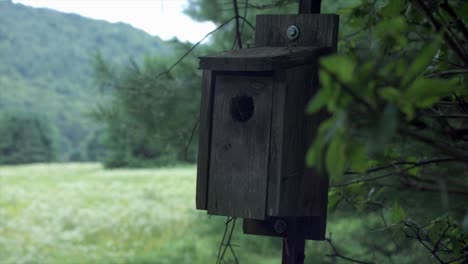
x=403, y=108
x=149, y=112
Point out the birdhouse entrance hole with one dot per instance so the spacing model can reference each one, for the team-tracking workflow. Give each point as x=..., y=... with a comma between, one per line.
x=242, y=108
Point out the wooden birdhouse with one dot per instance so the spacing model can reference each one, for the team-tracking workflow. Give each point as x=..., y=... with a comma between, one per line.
x=254, y=132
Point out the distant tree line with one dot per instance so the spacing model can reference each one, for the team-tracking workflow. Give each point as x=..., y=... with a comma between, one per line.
x=26, y=138
x=47, y=69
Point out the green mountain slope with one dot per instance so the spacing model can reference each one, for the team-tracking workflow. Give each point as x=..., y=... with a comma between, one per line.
x=46, y=65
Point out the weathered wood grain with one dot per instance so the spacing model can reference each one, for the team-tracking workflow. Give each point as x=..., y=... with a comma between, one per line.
x=293, y=189
x=206, y=110
x=311, y=227
x=317, y=30
x=239, y=151
x=303, y=190
x=261, y=58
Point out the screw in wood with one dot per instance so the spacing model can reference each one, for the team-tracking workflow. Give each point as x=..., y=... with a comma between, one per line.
x=293, y=32
x=280, y=226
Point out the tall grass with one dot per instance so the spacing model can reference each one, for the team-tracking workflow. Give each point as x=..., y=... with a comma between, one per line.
x=80, y=213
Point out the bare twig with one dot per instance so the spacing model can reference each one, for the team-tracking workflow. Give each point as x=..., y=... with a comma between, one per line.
x=437, y=27
x=190, y=139
x=225, y=244
x=398, y=163
x=442, y=147
x=453, y=116
x=248, y=22
x=447, y=73
x=427, y=243
x=458, y=22
x=238, y=29
x=338, y=255
x=396, y=172
x=192, y=48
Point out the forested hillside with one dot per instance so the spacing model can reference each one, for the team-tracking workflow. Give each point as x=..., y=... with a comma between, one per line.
x=46, y=68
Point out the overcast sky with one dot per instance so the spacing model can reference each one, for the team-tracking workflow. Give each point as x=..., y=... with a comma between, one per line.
x=163, y=18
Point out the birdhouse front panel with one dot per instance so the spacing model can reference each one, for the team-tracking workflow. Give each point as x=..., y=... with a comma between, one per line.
x=242, y=107
x=254, y=134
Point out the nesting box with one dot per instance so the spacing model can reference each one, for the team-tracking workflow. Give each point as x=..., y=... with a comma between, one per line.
x=254, y=132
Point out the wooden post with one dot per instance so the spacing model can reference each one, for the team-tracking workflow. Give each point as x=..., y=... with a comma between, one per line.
x=294, y=246
x=293, y=250
x=309, y=6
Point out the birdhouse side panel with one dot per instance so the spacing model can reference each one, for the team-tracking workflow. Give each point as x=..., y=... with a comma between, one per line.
x=204, y=147
x=294, y=189
x=240, y=145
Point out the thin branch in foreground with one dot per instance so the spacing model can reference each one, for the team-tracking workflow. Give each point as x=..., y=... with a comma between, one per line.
x=338, y=255
x=190, y=139
x=403, y=162
x=437, y=27
x=193, y=47
x=458, y=22
x=248, y=22
x=396, y=172
x=238, y=29
x=447, y=73
x=434, y=248
x=442, y=147
x=349, y=90
x=226, y=244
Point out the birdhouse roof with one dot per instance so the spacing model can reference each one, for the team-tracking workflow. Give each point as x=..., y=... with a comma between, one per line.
x=261, y=58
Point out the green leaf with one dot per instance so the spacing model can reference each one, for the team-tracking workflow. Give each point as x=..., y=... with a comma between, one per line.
x=315, y=153
x=358, y=158
x=463, y=12
x=384, y=129
x=394, y=96
x=425, y=92
x=391, y=27
x=313, y=156
x=393, y=8
x=334, y=198
x=319, y=100
x=342, y=66
x=336, y=158
x=421, y=62
x=398, y=213
x=390, y=94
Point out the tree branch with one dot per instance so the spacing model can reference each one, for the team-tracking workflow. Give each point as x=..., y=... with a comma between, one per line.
x=238, y=30
x=447, y=73
x=458, y=22
x=338, y=255
x=348, y=89
x=413, y=165
x=192, y=48
x=437, y=27
x=443, y=147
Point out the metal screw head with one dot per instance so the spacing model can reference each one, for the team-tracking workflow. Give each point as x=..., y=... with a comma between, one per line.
x=280, y=226
x=293, y=32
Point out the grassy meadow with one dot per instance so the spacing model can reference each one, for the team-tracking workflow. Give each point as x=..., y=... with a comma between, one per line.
x=81, y=213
